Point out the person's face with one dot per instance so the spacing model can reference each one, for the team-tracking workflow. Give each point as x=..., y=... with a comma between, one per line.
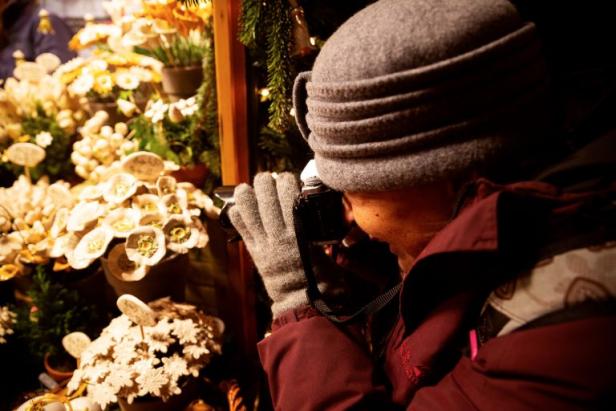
x=404, y=219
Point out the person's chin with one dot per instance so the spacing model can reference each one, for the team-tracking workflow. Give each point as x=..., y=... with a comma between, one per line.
x=405, y=261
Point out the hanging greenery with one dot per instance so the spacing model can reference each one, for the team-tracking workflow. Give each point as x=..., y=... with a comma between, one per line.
x=207, y=122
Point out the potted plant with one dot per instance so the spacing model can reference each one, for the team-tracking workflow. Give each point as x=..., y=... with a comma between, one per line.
x=36, y=108
x=175, y=34
x=7, y=319
x=140, y=224
x=107, y=77
x=173, y=131
x=151, y=367
x=53, y=311
x=30, y=215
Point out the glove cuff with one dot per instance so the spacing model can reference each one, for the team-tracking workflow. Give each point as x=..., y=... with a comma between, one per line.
x=289, y=301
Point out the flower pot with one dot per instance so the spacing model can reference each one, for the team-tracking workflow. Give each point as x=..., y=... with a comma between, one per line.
x=195, y=174
x=182, y=82
x=166, y=278
x=56, y=374
x=175, y=403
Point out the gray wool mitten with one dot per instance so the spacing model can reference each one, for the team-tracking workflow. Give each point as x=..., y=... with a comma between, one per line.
x=263, y=216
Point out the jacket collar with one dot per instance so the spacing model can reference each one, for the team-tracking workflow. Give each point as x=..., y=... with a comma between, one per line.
x=472, y=244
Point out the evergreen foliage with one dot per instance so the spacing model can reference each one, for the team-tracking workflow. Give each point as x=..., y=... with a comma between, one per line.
x=55, y=312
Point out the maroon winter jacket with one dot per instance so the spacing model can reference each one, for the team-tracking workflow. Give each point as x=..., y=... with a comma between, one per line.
x=314, y=364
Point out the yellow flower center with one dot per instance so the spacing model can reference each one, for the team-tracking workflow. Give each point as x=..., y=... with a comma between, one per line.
x=120, y=189
x=95, y=245
x=179, y=234
x=146, y=245
x=174, y=208
x=123, y=225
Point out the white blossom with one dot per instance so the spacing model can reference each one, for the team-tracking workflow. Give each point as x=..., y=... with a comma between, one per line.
x=43, y=139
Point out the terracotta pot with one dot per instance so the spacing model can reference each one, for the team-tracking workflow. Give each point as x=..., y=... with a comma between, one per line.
x=166, y=278
x=175, y=403
x=182, y=82
x=57, y=375
x=195, y=174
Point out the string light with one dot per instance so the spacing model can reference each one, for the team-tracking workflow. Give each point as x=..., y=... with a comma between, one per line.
x=264, y=93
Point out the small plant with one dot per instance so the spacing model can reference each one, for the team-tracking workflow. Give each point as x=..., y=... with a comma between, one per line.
x=54, y=311
x=7, y=319
x=130, y=362
x=178, y=50
x=171, y=131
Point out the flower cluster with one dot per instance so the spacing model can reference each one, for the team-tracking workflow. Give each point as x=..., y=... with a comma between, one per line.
x=177, y=111
x=7, y=319
x=100, y=146
x=35, y=107
x=171, y=130
x=31, y=217
x=108, y=75
x=139, y=220
x=123, y=363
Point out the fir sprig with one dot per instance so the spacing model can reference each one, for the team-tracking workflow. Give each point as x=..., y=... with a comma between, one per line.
x=57, y=312
x=249, y=22
x=279, y=66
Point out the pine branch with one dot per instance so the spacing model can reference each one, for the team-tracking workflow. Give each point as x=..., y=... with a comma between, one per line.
x=279, y=64
x=249, y=23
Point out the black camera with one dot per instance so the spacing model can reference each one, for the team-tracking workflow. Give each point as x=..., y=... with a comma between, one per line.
x=318, y=211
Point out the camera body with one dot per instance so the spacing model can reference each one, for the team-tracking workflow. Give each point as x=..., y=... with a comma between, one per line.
x=318, y=211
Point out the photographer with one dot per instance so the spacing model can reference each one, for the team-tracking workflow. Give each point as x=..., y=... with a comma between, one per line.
x=430, y=117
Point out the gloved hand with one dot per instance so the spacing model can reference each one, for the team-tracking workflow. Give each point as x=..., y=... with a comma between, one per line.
x=263, y=216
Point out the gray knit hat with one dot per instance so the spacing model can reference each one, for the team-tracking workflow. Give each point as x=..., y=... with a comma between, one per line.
x=411, y=91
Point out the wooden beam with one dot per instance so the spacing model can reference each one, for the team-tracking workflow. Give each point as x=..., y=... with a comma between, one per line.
x=233, y=126
x=231, y=89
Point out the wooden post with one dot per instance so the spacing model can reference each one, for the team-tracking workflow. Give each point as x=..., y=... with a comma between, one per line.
x=233, y=118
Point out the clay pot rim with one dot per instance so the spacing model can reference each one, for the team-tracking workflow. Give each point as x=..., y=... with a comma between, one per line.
x=54, y=373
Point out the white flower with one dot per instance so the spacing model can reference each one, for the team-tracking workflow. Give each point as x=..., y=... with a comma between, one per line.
x=43, y=139
x=102, y=394
x=152, y=380
x=84, y=214
x=165, y=185
x=146, y=245
x=148, y=204
x=120, y=187
x=120, y=377
x=175, y=366
x=156, y=111
x=118, y=327
x=82, y=84
x=181, y=234
x=120, y=266
x=188, y=106
x=143, y=75
x=126, y=80
x=95, y=243
x=176, y=203
x=122, y=221
x=126, y=107
x=185, y=330
x=7, y=319
x=196, y=351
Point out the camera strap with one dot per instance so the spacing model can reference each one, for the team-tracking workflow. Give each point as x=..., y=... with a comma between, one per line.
x=316, y=298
